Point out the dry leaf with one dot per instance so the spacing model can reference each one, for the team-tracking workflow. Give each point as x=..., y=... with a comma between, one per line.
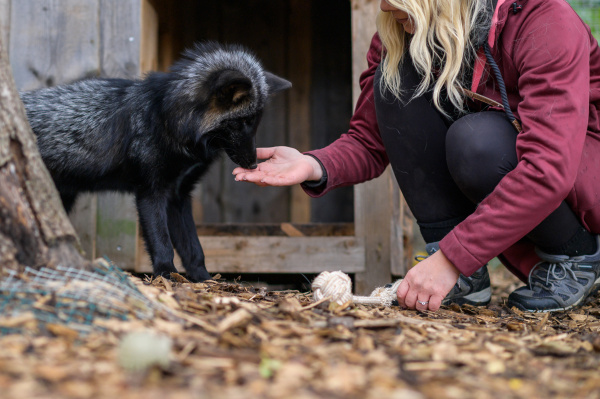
x=239, y=318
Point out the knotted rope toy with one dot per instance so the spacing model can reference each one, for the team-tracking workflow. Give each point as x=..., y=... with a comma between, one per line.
x=337, y=286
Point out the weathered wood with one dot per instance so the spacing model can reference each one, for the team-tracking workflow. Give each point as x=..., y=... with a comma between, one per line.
x=54, y=41
x=149, y=38
x=400, y=250
x=117, y=229
x=372, y=200
x=121, y=48
x=277, y=255
x=276, y=229
x=5, y=6
x=120, y=28
x=34, y=228
x=232, y=201
x=300, y=73
x=83, y=217
x=331, y=97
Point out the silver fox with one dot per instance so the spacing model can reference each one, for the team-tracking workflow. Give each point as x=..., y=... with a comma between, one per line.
x=155, y=138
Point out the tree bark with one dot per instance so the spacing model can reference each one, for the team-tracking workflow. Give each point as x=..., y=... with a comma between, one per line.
x=34, y=228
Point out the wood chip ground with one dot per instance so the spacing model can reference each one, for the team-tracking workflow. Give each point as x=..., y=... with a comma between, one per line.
x=238, y=341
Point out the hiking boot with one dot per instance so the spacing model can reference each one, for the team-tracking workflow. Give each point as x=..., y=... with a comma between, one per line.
x=474, y=290
x=558, y=282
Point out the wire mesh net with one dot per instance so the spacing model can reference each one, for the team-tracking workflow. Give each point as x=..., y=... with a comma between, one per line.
x=72, y=297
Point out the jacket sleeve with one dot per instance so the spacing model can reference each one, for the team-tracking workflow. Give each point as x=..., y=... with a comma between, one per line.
x=359, y=154
x=552, y=58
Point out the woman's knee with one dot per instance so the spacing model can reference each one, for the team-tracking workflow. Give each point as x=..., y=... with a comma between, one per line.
x=480, y=150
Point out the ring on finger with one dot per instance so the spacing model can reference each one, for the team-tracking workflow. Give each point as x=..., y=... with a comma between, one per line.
x=423, y=302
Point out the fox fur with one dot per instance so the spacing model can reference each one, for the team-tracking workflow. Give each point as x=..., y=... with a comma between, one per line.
x=155, y=137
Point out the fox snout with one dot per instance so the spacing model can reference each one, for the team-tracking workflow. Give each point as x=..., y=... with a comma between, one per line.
x=246, y=163
x=244, y=157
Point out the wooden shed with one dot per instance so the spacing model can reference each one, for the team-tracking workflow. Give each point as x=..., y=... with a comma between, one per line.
x=318, y=45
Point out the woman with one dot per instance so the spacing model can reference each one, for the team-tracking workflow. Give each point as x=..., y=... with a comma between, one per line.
x=518, y=179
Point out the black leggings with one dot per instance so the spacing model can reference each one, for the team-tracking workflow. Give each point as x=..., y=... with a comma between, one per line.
x=446, y=165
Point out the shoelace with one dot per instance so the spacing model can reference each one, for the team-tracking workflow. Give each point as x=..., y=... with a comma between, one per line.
x=553, y=268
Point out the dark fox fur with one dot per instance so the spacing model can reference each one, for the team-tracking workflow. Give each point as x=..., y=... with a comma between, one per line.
x=155, y=138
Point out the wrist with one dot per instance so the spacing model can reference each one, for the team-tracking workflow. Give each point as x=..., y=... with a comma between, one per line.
x=316, y=169
x=447, y=263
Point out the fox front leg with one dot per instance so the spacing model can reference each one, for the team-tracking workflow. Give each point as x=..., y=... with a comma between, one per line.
x=152, y=212
x=185, y=239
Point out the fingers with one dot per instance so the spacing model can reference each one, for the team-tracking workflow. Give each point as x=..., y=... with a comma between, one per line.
x=422, y=303
x=411, y=299
x=252, y=176
x=265, y=152
x=402, y=291
x=415, y=294
x=435, y=301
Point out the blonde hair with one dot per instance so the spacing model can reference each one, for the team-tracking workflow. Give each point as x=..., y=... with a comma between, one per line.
x=441, y=47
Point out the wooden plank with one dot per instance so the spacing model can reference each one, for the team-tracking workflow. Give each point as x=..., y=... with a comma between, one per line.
x=276, y=229
x=55, y=42
x=331, y=96
x=149, y=38
x=120, y=27
x=299, y=115
x=117, y=229
x=83, y=218
x=226, y=200
x=121, y=43
x=278, y=255
x=5, y=24
x=372, y=200
x=207, y=202
x=399, y=253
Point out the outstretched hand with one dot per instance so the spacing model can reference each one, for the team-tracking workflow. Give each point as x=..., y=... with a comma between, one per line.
x=283, y=166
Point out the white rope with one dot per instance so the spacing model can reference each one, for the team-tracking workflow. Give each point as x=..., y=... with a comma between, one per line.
x=337, y=286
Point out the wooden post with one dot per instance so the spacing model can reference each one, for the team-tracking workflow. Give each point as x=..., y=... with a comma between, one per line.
x=372, y=200
x=300, y=74
x=129, y=37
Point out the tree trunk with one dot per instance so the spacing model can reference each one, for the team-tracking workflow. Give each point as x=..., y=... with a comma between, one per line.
x=34, y=228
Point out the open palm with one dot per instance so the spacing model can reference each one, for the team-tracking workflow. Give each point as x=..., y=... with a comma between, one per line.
x=283, y=166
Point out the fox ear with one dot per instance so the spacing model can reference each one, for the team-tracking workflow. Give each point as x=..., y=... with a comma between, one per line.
x=231, y=88
x=276, y=83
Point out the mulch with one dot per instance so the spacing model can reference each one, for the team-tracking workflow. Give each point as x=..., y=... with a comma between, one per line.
x=228, y=339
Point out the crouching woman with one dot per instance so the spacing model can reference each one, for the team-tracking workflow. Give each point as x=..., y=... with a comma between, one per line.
x=487, y=111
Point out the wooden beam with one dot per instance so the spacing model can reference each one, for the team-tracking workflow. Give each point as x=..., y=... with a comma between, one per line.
x=372, y=200
x=276, y=229
x=276, y=255
x=300, y=73
x=149, y=38
x=121, y=43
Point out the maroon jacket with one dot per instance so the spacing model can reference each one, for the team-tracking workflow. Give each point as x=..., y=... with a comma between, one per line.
x=550, y=63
